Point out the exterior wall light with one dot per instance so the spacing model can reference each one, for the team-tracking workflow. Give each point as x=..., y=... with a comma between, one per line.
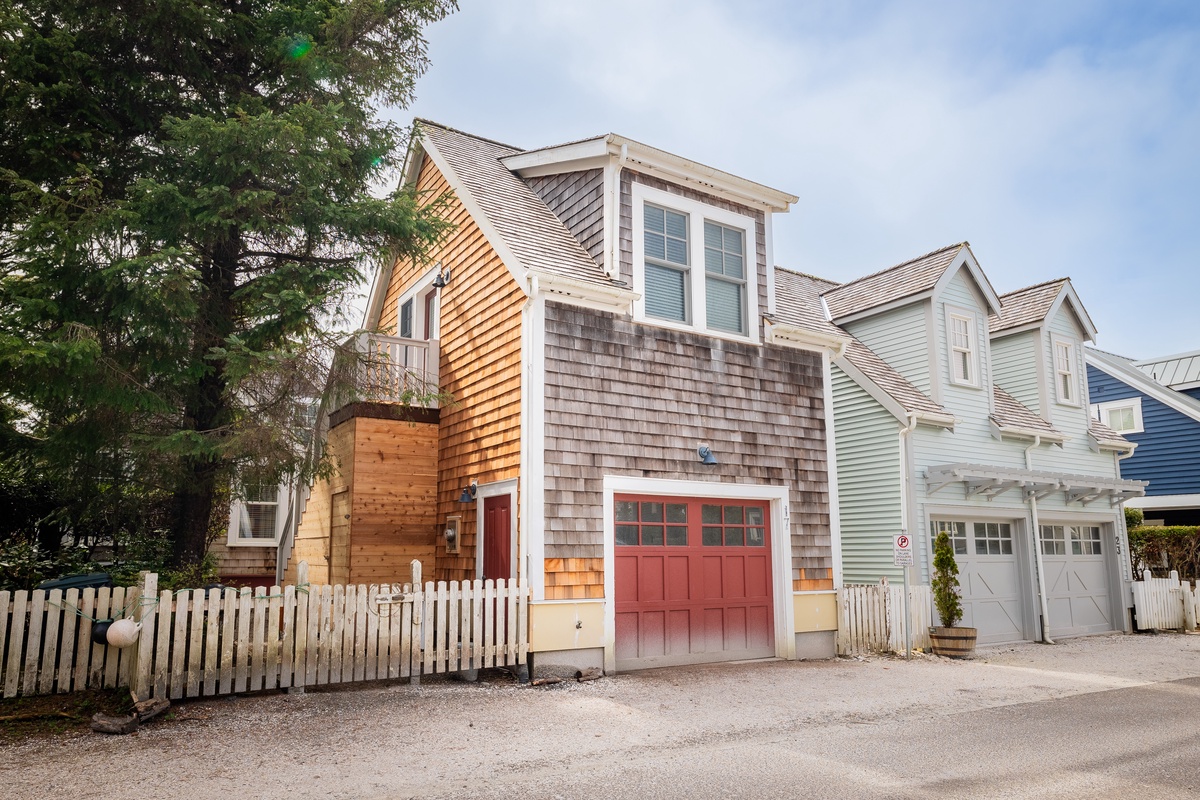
x=468, y=494
x=706, y=455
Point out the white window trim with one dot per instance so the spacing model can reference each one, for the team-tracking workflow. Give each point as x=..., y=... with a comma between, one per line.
x=696, y=213
x=1076, y=383
x=1101, y=412
x=283, y=504
x=972, y=319
x=417, y=293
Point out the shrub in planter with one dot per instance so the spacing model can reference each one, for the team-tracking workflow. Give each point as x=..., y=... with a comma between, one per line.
x=949, y=639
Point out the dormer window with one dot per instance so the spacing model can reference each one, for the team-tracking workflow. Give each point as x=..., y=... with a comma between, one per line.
x=673, y=237
x=964, y=356
x=1066, y=376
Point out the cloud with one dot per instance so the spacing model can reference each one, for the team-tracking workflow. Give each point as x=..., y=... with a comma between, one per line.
x=1058, y=138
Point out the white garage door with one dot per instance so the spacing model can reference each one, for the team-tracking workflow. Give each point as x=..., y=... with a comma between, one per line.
x=1077, y=595
x=989, y=578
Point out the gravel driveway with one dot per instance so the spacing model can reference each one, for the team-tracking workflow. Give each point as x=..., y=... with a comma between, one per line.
x=452, y=739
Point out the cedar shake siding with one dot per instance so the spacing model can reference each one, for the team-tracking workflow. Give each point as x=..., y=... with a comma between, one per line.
x=628, y=176
x=630, y=399
x=480, y=367
x=577, y=198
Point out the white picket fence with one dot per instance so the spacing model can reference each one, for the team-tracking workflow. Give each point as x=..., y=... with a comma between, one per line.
x=871, y=618
x=202, y=643
x=1165, y=603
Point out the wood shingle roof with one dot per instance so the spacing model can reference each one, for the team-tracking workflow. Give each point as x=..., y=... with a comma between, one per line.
x=894, y=283
x=1026, y=306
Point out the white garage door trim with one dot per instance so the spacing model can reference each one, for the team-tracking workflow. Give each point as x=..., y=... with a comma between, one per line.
x=781, y=548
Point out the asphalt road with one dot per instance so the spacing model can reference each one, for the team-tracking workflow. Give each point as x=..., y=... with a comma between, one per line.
x=1098, y=717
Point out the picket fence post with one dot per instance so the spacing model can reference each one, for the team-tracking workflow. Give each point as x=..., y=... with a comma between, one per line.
x=139, y=659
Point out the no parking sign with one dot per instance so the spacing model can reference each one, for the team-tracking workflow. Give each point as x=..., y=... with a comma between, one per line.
x=902, y=553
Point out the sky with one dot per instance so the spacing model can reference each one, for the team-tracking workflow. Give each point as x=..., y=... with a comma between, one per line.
x=1059, y=138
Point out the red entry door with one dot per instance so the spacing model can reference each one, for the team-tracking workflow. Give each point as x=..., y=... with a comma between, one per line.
x=693, y=581
x=497, y=537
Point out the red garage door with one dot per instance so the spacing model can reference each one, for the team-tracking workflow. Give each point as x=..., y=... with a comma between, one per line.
x=693, y=581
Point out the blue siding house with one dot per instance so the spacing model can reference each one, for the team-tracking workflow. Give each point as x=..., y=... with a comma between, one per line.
x=1162, y=416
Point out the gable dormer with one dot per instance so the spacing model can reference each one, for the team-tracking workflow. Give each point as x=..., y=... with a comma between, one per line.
x=927, y=318
x=692, y=242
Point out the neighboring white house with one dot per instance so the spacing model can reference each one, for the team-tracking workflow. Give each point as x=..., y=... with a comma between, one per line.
x=960, y=410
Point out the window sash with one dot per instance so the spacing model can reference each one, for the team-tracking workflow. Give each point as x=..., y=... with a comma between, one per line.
x=962, y=349
x=1064, y=365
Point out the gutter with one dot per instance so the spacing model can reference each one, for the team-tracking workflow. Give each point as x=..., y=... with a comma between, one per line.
x=611, y=298
x=786, y=334
x=1035, y=536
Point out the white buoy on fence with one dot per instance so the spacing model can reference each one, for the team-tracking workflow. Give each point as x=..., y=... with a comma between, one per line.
x=123, y=632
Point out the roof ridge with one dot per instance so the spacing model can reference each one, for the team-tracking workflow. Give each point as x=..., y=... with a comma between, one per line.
x=1171, y=357
x=1095, y=349
x=423, y=121
x=806, y=275
x=904, y=263
x=1034, y=286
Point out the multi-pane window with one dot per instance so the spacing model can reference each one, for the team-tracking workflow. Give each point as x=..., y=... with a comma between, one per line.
x=662, y=522
x=667, y=265
x=957, y=532
x=1123, y=416
x=725, y=277
x=259, y=512
x=653, y=523
x=1085, y=541
x=1054, y=540
x=732, y=526
x=962, y=349
x=1065, y=379
x=993, y=539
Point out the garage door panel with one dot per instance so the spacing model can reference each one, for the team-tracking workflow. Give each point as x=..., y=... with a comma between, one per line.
x=996, y=620
x=678, y=578
x=758, y=577
x=735, y=578
x=628, y=636
x=679, y=632
x=653, y=633
x=1077, y=580
x=652, y=586
x=625, y=581
x=759, y=632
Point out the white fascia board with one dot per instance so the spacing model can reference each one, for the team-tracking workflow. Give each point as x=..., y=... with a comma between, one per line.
x=831, y=473
x=701, y=177
x=555, y=160
x=907, y=300
x=582, y=293
x=787, y=335
x=1017, y=432
x=1165, y=501
x=1000, y=334
x=889, y=403
x=1105, y=445
x=965, y=259
x=1067, y=295
x=1142, y=382
x=507, y=257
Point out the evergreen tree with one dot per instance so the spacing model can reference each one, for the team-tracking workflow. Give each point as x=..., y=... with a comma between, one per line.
x=183, y=200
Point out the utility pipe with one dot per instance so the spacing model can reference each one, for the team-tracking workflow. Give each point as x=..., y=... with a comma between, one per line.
x=1037, y=548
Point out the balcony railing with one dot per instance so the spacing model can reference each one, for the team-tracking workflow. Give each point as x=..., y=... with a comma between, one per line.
x=395, y=370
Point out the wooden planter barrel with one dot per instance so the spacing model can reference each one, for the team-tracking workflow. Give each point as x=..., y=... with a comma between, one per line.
x=953, y=642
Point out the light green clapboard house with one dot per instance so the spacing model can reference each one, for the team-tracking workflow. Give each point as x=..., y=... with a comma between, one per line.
x=961, y=410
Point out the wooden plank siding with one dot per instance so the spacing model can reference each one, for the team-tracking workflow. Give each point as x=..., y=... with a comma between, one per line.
x=630, y=399
x=480, y=366
x=246, y=565
x=313, y=542
x=577, y=198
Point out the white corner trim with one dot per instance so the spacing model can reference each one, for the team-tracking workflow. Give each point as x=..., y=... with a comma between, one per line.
x=831, y=472
x=533, y=444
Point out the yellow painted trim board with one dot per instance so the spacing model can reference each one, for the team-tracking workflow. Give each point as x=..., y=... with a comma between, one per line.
x=815, y=611
x=566, y=626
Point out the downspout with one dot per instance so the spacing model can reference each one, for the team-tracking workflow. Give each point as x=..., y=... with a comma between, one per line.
x=904, y=476
x=614, y=254
x=1035, y=535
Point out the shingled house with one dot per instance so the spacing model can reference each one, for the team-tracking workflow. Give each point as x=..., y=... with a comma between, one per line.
x=635, y=427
